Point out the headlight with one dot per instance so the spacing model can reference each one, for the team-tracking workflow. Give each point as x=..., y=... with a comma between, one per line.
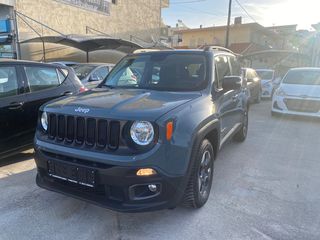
x=142, y=132
x=44, y=121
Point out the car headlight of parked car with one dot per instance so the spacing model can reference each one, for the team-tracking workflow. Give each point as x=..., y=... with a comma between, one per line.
x=142, y=132
x=44, y=121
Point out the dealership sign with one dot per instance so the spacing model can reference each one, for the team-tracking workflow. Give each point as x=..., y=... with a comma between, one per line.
x=101, y=6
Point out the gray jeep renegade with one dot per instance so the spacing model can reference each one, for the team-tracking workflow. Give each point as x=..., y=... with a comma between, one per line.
x=147, y=136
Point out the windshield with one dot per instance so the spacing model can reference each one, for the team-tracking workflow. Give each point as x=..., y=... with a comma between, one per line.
x=160, y=71
x=304, y=77
x=265, y=75
x=82, y=71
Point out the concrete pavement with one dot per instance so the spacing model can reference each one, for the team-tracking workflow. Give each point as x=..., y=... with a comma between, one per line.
x=265, y=188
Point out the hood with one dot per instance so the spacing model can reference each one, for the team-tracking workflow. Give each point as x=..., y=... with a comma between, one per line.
x=298, y=90
x=121, y=104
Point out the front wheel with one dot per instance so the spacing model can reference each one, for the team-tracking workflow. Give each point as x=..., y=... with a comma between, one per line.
x=241, y=135
x=199, y=186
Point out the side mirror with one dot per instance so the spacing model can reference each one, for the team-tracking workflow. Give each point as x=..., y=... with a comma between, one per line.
x=231, y=83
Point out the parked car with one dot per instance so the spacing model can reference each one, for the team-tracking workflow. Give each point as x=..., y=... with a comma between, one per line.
x=149, y=143
x=267, y=77
x=253, y=83
x=65, y=63
x=298, y=93
x=24, y=87
x=91, y=74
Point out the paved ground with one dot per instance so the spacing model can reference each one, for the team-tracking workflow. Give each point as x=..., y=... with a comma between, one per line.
x=265, y=188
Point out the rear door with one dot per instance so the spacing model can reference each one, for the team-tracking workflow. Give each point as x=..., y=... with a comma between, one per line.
x=12, y=108
x=43, y=84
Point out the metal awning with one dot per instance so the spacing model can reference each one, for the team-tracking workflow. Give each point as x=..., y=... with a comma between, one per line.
x=89, y=43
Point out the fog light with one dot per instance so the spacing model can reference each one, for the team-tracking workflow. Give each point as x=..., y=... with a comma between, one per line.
x=152, y=187
x=146, y=172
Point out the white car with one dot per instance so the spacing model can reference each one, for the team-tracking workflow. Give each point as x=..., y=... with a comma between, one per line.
x=267, y=85
x=298, y=93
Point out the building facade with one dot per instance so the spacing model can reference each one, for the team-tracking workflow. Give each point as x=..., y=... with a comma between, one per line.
x=124, y=19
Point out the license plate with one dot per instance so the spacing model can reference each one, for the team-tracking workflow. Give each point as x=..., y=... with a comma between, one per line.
x=71, y=173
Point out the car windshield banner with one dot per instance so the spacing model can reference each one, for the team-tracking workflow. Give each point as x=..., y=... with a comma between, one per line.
x=101, y=6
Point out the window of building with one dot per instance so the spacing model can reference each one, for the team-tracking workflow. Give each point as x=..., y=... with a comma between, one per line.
x=114, y=1
x=8, y=82
x=40, y=78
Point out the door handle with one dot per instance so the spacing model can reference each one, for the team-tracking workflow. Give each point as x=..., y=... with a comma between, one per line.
x=15, y=105
x=68, y=93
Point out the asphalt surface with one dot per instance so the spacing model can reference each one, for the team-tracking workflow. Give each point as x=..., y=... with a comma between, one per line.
x=265, y=188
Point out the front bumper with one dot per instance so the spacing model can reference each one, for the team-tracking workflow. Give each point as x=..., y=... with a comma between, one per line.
x=280, y=106
x=114, y=184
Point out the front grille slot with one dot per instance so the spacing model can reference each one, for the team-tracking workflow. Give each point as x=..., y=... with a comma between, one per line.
x=102, y=133
x=114, y=135
x=89, y=132
x=52, y=126
x=70, y=128
x=80, y=130
x=61, y=127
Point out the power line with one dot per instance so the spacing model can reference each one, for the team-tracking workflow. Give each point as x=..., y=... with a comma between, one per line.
x=249, y=15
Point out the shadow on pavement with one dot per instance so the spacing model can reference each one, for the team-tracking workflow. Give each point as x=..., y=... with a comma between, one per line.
x=20, y=157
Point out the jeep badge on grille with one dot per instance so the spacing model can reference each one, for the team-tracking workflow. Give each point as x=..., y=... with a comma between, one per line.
x=82, y=110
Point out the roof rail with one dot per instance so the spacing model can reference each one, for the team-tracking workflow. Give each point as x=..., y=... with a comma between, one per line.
x=211, y=48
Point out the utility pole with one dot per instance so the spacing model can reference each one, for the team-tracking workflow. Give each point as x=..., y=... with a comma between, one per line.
x=228, y=24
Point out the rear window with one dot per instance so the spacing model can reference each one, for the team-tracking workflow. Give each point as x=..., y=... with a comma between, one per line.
x=161, y=71
x=303, y=77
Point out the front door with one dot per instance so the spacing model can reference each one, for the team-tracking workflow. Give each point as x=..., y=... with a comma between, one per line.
x=12, y=109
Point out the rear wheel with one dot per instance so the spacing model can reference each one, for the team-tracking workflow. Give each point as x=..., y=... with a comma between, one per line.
x=241, y=135
x=199, y=186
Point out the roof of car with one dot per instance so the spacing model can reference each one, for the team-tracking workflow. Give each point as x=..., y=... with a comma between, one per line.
x=265, y=69
x=215, y=51
x=305, y=68
x=95, y=64
x=14, y=61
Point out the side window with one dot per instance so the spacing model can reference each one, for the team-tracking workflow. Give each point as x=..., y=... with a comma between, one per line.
x=101, y=73
x=8, y=82
x=222, y=68
x=235, y=66
x=62, y=74
x=40, y=78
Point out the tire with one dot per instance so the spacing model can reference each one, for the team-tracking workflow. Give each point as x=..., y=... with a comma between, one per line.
x=258, y=98
x=241, y=135
x=200, y=181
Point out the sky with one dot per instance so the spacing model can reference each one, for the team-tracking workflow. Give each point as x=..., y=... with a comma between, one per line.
x=266, y=12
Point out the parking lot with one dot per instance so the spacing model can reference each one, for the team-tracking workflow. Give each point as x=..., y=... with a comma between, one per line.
x=266, y=188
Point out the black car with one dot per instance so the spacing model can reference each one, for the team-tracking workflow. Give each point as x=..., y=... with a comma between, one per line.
x=24, y=87
x=146, y=141
x=253, y=82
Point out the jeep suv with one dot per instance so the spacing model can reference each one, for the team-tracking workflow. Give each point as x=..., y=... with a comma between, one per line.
x=147, y=141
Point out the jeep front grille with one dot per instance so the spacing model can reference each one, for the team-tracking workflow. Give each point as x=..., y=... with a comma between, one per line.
x=81, y=131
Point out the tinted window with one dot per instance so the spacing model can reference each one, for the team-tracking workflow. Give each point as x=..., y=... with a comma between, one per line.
x=235, y=66
x=101, y=73
x=82, y=71
x=161, y=71
x=40, y=78
x=303, y=77
x=8, y=82
x=265, y=74
x=223, y=68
